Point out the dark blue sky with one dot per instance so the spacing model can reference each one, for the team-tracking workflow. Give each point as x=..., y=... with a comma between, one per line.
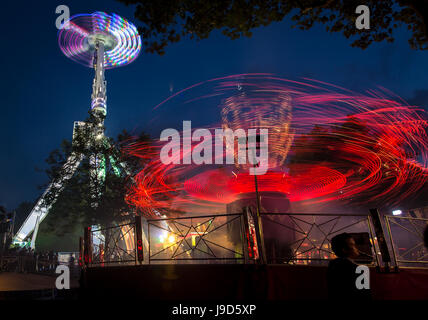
x=42, y=92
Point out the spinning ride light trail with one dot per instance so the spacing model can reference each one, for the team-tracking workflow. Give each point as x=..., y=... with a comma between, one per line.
x=100, y=41
x=325, y=144
x=120, y=38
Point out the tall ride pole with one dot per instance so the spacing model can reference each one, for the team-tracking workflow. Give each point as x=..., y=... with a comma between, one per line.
x=98, y=113
x=99, y=90
x=101, y=41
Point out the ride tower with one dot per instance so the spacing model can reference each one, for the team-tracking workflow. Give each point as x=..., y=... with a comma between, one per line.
x=100, y=41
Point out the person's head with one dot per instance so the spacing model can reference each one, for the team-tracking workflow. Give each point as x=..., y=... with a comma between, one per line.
x=343, y=246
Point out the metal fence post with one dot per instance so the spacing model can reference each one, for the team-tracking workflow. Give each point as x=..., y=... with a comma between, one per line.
x=383, y=247
x=148, y=240
x=245, y=240
x=139, y=256
x=88, y=246
x=81, y=252
x=259, y=236
x=369, y=225
x=388, y=227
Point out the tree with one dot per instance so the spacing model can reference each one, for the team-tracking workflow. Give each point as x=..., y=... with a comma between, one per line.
x=74, y=205
x=167, y=21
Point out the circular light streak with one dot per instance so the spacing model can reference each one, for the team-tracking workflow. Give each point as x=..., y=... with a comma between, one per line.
x=121, y=39
x=325, y=144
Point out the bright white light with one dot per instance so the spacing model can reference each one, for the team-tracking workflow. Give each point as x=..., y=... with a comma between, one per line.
x=396, y=212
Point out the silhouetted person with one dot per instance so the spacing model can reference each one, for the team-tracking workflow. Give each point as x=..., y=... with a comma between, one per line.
x=341, y=275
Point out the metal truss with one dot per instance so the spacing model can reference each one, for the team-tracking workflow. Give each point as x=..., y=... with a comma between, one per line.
x=203, y=239
x=313, y=243
x=92, y=132
x=222, y=238
x=41, y=209
x=410, y=244
x=114, y=245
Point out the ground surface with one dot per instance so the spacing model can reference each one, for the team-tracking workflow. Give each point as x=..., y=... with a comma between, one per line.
x=10, y=281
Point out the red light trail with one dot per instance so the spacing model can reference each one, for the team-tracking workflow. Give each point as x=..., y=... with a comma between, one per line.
x=326, y=144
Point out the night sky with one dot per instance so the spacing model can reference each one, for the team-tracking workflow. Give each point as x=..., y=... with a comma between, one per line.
x=42, y=92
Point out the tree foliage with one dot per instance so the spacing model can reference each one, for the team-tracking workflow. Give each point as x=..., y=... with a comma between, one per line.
x=74, y=205
x=168, y=21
